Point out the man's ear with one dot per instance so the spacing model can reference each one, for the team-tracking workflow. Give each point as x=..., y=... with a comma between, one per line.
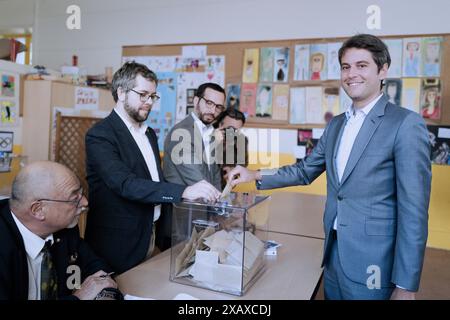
x=121, y=94
x=383, y=71
x=37, y=211
x=196, y=100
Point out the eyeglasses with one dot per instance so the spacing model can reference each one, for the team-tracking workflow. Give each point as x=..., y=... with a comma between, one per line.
x=76, y=201
x=210, y=104
x=144, y=96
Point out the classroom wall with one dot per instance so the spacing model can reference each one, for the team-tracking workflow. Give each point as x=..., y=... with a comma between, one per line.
x=107, y=25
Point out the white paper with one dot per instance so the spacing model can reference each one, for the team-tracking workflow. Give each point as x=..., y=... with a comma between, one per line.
x=86, y=98
x=193, y=52
x=444, y=133
x=184, y=296
x=131, y=297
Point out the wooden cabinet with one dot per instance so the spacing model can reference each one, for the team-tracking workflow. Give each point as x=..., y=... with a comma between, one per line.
x=40, y=97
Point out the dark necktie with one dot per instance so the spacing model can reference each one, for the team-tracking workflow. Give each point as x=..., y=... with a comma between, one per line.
x=48, y=274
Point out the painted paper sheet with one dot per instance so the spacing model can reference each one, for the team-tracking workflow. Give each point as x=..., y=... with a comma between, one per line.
x=297, y=114
x=393, y=90
x=318, y=62
x=431, y=59
x=430, y=98
x=248, y=99
x=412, y=57
x=250, y=66
x=281, y=64
x=264, y=100
x=314, y=105
x=233, y=96
x=301, y=62
x=411, y=94
x=395, y=47
x=280, y=104
x=266, y=65
x=330, y=103
x=334, y=68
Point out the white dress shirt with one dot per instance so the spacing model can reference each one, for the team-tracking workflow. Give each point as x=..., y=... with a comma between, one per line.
x=147, y=152
x=355, y=120
x=33, y=246
x=206, y=132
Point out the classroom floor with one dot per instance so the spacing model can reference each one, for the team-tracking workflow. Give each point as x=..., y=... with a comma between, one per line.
x=435, y=281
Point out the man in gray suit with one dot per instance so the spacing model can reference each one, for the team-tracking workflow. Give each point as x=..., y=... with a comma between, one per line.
x=188, y=156
x=377, y=158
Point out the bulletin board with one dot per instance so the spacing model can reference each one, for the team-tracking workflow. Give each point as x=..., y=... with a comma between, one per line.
x=234, y=59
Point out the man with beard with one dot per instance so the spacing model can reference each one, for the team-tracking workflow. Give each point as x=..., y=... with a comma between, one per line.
x=126, y=185
x=188, y=151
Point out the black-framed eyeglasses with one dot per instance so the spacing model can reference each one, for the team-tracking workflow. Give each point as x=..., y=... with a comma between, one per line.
x=145, y=96
x=76, y=201
x=210, y=104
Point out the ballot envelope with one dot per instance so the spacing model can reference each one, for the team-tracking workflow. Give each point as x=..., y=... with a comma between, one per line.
x=220, y=246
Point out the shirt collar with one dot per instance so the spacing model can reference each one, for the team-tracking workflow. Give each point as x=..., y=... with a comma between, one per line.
x=204, y=129
x=142, y=129
x=350, y=111
x=33, y=243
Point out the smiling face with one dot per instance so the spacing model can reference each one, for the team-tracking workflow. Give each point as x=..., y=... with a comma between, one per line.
x=360, y=77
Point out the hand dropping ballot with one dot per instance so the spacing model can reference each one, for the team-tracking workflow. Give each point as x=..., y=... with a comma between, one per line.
x=226, y=191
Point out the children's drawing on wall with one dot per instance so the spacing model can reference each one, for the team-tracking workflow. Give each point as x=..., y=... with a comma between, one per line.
x=411, y=94
x=8, y=113
x=215, y=69
x=266, y=65
x=8, y=86
x=281, y=63
x=264, y=101
x=411, y=57
x=233, y=94
x=395, y=47
x=334, y=68
x=248, y=99
x=251, y=64
x=393, y=90
x=330, y=102
x=297, y=106
x=280, y=102
x=314, y=105
x=430, y=102
x=431, y=56
x=305, y=138
x=318, y=62
x=301, y=62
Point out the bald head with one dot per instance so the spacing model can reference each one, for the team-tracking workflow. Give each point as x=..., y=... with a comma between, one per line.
x=38, y=180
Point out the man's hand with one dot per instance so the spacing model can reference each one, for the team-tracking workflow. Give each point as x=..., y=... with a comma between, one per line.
x=93, y=284
x=402, y=294
x=201, y=190
x=241, y=174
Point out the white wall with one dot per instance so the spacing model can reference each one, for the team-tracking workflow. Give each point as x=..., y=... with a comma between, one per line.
x=107, y=25
x=16, y=14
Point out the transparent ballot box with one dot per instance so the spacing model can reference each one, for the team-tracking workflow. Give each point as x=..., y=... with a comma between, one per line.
x=219, y=246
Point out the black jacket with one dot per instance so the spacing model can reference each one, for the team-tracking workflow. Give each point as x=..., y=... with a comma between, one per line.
x=67, y=249
x=122, y=194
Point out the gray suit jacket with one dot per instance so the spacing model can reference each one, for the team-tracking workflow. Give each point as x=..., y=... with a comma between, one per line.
x=381, y=203
x=188, y=150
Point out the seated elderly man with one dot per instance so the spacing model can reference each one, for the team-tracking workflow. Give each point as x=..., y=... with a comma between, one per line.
x=41, y=254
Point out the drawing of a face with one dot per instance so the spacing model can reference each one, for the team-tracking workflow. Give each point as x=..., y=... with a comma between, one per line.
x=392, y=90
x=317, y=62
x=431, y=96
x=412, y=46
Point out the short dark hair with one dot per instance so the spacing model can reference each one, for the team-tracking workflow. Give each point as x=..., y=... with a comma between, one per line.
x=232, y=113
x=202, y=88
x=125, y=77
x=375, y=45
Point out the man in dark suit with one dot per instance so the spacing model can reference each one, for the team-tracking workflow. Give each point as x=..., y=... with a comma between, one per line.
x=45, y=204
x=126, y=185
x=378, y=184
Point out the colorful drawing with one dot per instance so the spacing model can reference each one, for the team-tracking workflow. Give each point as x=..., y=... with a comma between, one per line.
x=411, y=94
x=266, y=65
x=233, y=96
x=248, y=99
x=8, y=86
x=280, y=103
x=411, y=57
x=334, y=68
x=250, y=66
x=281, y=63
x=430, y=101
x=318, y=62
x=8, y=113
x=264, y=100
x=431, y=56
x=440, y=144
x=301, y=62
x=395, y=47
x=314, y=105
x=330, y=103
x=393, y=90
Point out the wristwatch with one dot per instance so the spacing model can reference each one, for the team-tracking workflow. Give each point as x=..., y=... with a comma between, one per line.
x=109, y=294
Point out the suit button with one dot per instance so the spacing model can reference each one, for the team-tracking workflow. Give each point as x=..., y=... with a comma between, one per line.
x=340, y=198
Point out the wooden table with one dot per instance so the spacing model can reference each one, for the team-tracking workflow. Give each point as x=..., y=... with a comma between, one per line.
x=296, y=214
x=292, y=274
